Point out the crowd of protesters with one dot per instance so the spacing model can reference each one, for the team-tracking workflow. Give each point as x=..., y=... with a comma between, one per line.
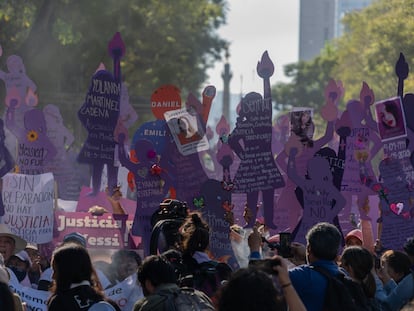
x=75, y=282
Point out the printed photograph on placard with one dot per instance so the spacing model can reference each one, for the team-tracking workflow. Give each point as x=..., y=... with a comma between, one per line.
x=187, y=131
x=390, y=119
x=301, y=123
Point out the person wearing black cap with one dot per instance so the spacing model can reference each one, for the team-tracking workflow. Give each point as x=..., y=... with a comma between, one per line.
x=20, y=264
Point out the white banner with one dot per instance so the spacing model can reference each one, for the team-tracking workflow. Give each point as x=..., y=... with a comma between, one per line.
x=28, y=204
x=125, y=294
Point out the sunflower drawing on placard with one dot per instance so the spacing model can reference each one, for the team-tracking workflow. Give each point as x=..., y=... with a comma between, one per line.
x=32, y=136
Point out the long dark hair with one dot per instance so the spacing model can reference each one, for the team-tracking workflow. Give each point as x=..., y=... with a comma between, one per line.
x=6, y=298
x=71, y=263
x=195, y=233
x=361, y=262
x=250, y=289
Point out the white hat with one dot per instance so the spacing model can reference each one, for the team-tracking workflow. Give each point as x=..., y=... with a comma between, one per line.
x=32, y=246
x=20, y=244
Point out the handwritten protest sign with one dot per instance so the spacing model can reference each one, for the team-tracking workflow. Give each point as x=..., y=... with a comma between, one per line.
x=28, y=203
x=99, y=115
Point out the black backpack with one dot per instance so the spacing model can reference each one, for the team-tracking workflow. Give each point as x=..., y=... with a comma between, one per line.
x=206, y=277
x=187, y=299
x=342, y=293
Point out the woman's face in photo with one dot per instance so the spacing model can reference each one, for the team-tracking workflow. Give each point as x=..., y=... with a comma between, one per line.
x=305, y=117
x=388, y=118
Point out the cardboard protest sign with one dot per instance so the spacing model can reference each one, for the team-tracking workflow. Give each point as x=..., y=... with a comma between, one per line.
x=152, y=181
x=69, y=175
x=307, y=147
x=20, y=89
x=185, y=168
x=104, y=231
x=395, y=197
x=99, y=115
x=28, y=203
x=34, y=148
x=251, y=141
x=155, y=131
x=322, y=200
x=362, y=145
x=165, y=98
x=125, y=294
x=215, y=202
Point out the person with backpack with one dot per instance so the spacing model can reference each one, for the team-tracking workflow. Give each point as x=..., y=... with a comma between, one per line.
x=320, y=283
x=158, y=279
x=200, y=271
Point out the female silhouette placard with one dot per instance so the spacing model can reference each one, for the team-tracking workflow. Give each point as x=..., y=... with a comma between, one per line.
x=251, y=141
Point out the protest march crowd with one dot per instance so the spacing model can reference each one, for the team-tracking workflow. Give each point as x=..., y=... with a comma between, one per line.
x=268, y=218
x=184, y=277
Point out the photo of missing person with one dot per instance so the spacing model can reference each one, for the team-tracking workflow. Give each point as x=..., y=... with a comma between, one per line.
x=301, y=124
x=390, y=119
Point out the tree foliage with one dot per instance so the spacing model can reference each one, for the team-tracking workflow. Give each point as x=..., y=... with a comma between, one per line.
x=308, y=82
x=62, y=42
x=368, y=51
x=371, y=46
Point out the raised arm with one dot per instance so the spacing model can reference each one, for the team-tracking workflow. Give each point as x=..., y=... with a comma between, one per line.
x=125, y=161
x=291, y=169
x=234, y=141
x=11, y=121
x=327, y=137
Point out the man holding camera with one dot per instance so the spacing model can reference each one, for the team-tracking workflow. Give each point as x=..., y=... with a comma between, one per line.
x=323, y=241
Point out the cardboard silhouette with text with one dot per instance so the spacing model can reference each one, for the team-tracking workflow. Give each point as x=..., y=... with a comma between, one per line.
x=251, y=141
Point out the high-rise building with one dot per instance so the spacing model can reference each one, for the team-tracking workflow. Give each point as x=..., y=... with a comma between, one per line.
x=342, y=8
x=320, y=21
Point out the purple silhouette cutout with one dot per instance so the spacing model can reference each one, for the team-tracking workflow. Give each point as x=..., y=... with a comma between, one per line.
x=217, y=201
x=251, y=141
x=99, y=115
x=396, y=208
x=309, y=148
x=18, y=85
x=6, y=161
x=225, y=155
x=35, y=149
x=187, y=170
x=362, y=146
x=280, y=133
x=336, y=164
x=321, y=198
x=152, y=182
